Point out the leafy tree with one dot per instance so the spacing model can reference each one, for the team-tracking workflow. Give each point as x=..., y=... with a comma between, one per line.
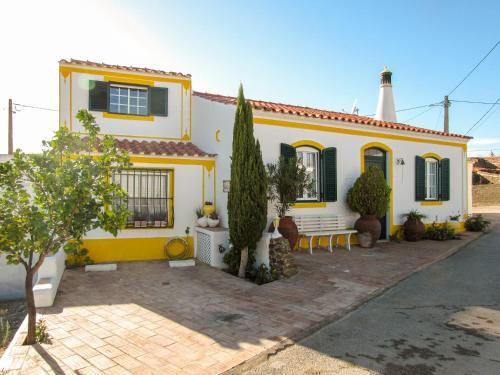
x=50, y=200
x=370, y=194
x=247, y=201
x=287, y=179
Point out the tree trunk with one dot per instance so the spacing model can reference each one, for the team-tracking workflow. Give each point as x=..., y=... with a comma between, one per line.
x=30, y=306
x=243, y=262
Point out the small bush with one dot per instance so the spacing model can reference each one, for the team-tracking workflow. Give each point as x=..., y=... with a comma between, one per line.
x=41, y=331
x=78, y=256
x=476, y=223
x=440, y=232
x=263, y=275
x=370, y=194
x=4, y=332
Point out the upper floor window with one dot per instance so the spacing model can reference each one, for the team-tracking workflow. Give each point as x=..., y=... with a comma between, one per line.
x=128, y=100
x=309, y=158
x=431, y=179
x=134, y=100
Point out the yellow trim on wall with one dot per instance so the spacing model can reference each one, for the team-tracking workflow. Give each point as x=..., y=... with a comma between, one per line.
x=308, y=142
x=208, y=163
x=309, y=205
x=130, y=249
x=138, y=136
x=431, y=203
x=127, y=117
x=432, y=155
x=132, y=81
x=388, y=150
x=331, y=129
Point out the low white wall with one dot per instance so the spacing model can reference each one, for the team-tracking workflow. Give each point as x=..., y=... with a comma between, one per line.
x=11, y=280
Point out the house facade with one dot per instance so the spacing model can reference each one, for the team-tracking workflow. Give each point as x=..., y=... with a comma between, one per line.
x=180, y=144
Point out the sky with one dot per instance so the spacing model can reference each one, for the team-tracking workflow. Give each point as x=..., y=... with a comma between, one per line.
x=322, y=54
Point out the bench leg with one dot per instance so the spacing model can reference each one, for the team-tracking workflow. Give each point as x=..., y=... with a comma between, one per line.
x=348, y=242
x=310, y=245
x=337, y=241
x=330, y=249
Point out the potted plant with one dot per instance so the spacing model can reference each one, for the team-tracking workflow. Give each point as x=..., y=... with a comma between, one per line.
x=286, y=180
x=369, y=197
x=413, y=227
x=202, y=220
x=454, y=222
x=208, y=208
x=139, y=219
x=213, y=220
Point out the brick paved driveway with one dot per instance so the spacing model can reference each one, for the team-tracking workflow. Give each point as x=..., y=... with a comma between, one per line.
x=148, y=318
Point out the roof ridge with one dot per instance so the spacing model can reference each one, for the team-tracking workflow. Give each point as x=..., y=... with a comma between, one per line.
x=122, y=67
x=325, y=114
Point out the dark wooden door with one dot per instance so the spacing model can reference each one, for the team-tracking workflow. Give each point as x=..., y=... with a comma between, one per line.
x=377, y=157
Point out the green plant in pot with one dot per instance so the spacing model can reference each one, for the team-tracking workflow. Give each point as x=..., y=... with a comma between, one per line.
x=413, y=227
x=286, y=180
x=369, y=197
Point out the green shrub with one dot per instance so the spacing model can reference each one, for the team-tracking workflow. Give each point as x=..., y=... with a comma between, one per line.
x=78, y=256
x=415, y=215
x=370, y=194
x=41, y=333
x=440, y=232
x=476, y=223
x=263, y=275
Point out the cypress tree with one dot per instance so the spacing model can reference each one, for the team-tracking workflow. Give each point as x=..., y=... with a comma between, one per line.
x=247, y=201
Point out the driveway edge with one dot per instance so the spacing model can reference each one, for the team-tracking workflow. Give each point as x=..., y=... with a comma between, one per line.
x=263, y=356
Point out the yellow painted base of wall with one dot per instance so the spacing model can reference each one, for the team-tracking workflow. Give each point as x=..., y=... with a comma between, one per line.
x=129, y=249
x=323, y=241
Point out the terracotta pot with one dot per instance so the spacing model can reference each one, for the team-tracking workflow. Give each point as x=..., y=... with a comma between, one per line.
x=287, y=229
x=369, y=230
x=414, y=230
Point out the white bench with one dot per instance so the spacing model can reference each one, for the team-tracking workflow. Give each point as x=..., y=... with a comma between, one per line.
x=319, y=226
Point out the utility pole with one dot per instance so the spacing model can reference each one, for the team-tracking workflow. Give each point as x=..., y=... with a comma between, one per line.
x=10, y=131
x=446, y=105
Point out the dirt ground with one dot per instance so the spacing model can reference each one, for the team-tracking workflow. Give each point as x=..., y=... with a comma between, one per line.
x=14, y=312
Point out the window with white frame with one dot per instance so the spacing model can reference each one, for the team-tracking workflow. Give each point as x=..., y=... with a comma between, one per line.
x=431, y=179
x=129, y=100
x=309, y=158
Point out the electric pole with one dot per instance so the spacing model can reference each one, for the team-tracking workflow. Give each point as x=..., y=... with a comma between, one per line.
x=446, y=105
x=10, y=131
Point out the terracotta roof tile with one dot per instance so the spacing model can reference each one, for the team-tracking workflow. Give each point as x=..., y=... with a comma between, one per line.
x=162, y=148
x=122, y=67
x=322, y=114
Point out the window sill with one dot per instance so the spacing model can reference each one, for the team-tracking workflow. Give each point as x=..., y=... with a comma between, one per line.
x=309, y=205
x=127, y=117
x=431, y=203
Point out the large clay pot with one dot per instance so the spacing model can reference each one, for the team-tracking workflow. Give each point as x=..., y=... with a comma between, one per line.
x=414, y=230
x=287, y=229
x=369, y=230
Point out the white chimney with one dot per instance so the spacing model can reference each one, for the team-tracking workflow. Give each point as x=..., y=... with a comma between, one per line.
x=386, y=110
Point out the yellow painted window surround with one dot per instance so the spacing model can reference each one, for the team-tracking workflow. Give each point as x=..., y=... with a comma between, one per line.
x=431, y=202
x=127, y=117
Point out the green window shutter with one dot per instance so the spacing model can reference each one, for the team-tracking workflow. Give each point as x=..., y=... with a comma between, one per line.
x=444, y=173
x=98, y=96
x=329, y=174
x=158, y=101
x=419, y=178
x=287, y=151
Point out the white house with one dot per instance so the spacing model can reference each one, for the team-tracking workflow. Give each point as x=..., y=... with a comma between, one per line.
x=180, y=145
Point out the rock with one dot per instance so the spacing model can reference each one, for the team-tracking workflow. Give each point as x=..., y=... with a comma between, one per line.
x=281, y=258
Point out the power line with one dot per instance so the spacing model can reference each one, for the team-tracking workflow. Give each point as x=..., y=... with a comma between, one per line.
x=34, y=107
x=488, y=111
x=411, y=108
x=472, y=102
x=419, y=114
x=473, y=69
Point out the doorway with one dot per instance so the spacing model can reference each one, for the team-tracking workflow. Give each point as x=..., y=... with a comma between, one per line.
x=377, y=157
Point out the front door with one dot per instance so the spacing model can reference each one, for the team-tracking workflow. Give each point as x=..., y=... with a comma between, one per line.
x=377, y=157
